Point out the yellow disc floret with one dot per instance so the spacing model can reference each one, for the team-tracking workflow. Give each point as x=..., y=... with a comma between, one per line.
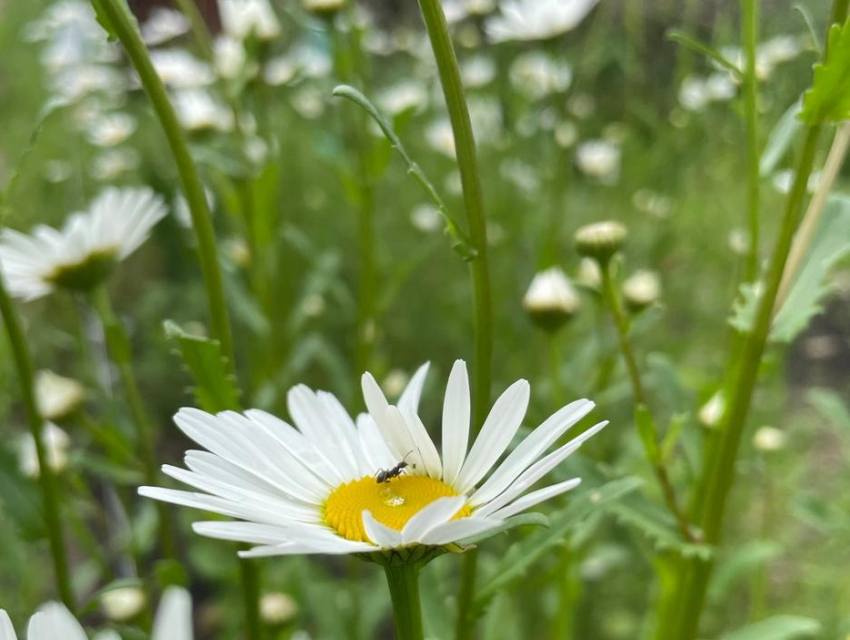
x=391, y=503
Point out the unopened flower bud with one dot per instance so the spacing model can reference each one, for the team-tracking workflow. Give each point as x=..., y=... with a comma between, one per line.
x=277, y=608
x=56, y=444
x=323, y=7
x=600, y=240
x=769, y=439
x=123, y=603
x=589, y=275
x=641, y=289
x=711, y=413
x=58, y=397
x=551, y=300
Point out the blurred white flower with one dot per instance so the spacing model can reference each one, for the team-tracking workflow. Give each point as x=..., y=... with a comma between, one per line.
x=82, y=253
x=323, y=6
x=337, y=500
x=652, y=203
x=697, y=92
x=179, y=69
x=163, y=25
x=783, y=180
x=769, y=54
x=440, y=136
x=277, y=608
x=395, y=383
x=739, y=241
x=123, y=603
x=109, y=164
x=111, y=129
x=588, y=274
x=566, y=134
x=478, y=71
x=74, y=83
x=537, y=75
x=57, y=396
x=280, y=70
x=230, y=58
x=711, y=413
x=404, y=96
x=309, y=102
x=56, y=445
x=582, y=105
x=457, y=10
x=199, y=111
x=425, y=218
x=521, y=175
x=769, y=439
x=181, y=208
x=241, y=18
x=536, y=19
x=599, y=159
x=313, y=305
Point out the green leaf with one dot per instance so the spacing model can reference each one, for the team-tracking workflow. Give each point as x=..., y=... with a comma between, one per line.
x=746, y=559
x=524, y=554
x=830, y=405
x=692, y=43
x=780, y=139
x=646, y=430
x=830, y=244
x=538, y=519
x=829, y=97
x=104, y=21
x=215, y=388
x=776, y=628
x=657, y=525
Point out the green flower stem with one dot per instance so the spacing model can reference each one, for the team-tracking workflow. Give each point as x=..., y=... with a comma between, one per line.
x=200, y=32
x=749, y=38
x=438, y=32
x=119, y=348
x=46, y=477
x=447, y=64
x=612, y=300
x=123, y=24
x=403, y=581
x=719, y=471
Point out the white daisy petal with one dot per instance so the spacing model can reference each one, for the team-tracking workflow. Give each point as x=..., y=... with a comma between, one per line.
x=379, y=533
x=409, y=400
x=54, y=621
x=534, y=498
x=438, y=512
x=7, y=631
x=250, y=532
x=397, y=439
x=457, y=530
x=173, y=616
x=456, y=416
x=496, y=434
x=374, y=447
x=530, y=449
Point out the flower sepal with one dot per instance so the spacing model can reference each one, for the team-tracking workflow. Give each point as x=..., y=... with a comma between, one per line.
x=86, y=275
x=420, y=554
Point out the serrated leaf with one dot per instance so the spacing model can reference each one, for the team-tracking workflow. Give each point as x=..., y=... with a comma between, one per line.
x=831, y=243
x=776, y=628
x=215, y=388
x=537, y=519
x=524, y=554
x=829, y=97
x=657, y=525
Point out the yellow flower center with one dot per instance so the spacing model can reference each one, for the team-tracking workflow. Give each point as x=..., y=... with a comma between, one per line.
x=391, y=503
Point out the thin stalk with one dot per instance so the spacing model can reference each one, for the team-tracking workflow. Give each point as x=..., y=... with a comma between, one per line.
x=198, y=26
x=447, y=64
x=119, y=349
x=812, y=217
x=403, y=581
x=46, y=477
x=749, y=39
x=438, y=32
x=614, y=304
x=720, y=469
x=123, y=25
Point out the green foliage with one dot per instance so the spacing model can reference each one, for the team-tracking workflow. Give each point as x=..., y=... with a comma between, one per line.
x=830, y=244
x=741, y=563
x=215, y=387
x=832, y=406
x=776, y=628
x=780, y=140
x=829, y=97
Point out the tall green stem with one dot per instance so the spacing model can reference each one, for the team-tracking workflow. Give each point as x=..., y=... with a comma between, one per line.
x=447, y=64
x=719, y=472
x=403, y=581
x=124, y=27
x=119, y=348
x=614, y=304
x=749, y=38
x=46, y=477
x=438, y=32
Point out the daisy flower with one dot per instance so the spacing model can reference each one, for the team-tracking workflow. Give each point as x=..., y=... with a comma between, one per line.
x=333, y=485
x=54, y=622
x=82, y=254
x=525, y=20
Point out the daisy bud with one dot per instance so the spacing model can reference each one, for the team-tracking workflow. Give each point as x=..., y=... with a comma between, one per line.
x=641, y=289
x=589, y=275
x=58, y=397
x=122, y=604
x=56, y=443
x=277, y=608
x=712, y=411
x=769, y=439
x=323, y=7
x=551, y=300
x=600, y=240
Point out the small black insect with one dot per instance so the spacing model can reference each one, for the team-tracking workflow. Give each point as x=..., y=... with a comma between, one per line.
x=385, y=475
